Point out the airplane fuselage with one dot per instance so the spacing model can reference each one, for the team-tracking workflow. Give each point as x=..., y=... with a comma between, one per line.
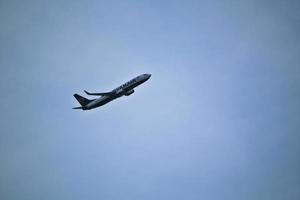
x=125, y=89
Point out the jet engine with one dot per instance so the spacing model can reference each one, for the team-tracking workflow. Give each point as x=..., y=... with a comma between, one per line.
x=129, y=92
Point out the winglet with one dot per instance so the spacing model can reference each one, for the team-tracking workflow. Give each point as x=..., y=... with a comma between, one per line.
x=87, y=92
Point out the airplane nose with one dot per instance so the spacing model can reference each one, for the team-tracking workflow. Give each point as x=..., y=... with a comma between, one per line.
x=148, y=75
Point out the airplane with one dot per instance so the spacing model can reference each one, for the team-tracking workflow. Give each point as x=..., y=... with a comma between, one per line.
x=125, y=89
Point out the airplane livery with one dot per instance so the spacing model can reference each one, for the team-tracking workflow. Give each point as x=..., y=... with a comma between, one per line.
x=125, y=89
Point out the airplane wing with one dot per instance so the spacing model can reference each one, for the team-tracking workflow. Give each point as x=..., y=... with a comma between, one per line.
x=100, y=94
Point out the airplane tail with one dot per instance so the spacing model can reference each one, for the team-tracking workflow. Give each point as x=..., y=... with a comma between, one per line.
x=77, y=108
x=83, y=101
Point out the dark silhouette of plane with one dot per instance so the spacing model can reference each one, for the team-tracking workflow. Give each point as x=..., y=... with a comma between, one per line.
x=125, y=89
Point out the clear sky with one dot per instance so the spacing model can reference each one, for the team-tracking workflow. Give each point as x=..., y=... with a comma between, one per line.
x=219, y=118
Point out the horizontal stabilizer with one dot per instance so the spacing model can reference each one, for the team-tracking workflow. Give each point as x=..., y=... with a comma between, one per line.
x=100, y=94
x=77, y=108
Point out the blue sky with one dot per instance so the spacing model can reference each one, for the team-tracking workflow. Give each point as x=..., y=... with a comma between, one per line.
x=219, y=118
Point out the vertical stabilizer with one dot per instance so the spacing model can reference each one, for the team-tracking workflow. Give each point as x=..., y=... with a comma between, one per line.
x=83, y=101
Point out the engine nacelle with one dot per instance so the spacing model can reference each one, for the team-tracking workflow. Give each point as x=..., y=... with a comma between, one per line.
x=129, y=92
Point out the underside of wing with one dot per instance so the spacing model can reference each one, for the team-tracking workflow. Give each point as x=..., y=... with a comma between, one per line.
x=100, y=94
